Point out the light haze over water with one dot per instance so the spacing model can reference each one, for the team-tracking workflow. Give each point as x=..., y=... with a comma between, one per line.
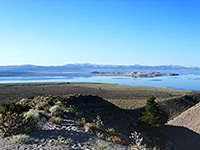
x=186, y=81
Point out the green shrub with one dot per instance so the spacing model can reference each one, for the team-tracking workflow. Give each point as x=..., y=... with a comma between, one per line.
x=25, y=101
x=101, y=145
x=98, y=121
x=12, y=120
x=43, y=120
x=110, y=131
x=58, y=103
x=30, y=122
x=57, y=120
x=46, y=109
x=18, y=139
x=16, y=120
x=12, y=107
x=101, y=135
x=62, y=141
x=40, y=105
x=152, y=115
x=50, y=102
x=55, y=109
x=11, y=124
x=70, y=109
x=30, y=115
x=17, y=124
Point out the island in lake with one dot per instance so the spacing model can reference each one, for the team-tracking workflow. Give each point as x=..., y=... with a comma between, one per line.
x=137, y=74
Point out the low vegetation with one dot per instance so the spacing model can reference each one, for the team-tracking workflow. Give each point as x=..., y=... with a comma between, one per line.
x=15, y=119
x=100, y=145
x=96, y=115
x=126, y=97
x=137, y=141
x=19, y=139
x=62, y=141
x=152, y=115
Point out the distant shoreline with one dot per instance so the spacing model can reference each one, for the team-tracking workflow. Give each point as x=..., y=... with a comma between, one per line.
x=187, y=81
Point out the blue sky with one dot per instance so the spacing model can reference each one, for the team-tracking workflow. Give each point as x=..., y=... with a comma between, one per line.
x=120, y=32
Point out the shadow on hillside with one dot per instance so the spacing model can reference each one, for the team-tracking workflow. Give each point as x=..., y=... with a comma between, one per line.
x=171, y=107
x=77, y=137
x=175, y=106
x=68, y=129
x=184, y=138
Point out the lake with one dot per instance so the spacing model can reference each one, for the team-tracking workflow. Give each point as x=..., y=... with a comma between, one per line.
x=186, y=81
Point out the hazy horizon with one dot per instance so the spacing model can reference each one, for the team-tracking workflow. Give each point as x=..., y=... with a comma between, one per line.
x=148, y=33
x=101, y=65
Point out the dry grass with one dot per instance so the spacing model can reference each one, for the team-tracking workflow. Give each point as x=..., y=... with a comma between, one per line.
x=128, y=97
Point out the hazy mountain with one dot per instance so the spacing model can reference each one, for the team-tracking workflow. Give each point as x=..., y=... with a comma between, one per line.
x=89, y=67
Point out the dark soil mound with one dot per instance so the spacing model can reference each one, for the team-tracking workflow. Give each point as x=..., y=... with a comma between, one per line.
x=175, y=106
x=93, y=106
x=113, y=117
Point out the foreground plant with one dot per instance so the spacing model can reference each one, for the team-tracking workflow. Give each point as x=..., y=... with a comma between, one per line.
x=55, y=120
x=55, y=109
x=100, y=145
x=62, y=141
x=152, y=115
x=136, y=143
x=12, y=107
x=14, y=119
x=98, y=121
x=34, y=116
x=19, y=139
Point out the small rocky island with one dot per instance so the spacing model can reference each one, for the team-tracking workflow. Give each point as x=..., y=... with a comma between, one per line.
x=151, y=74
x=137, y=74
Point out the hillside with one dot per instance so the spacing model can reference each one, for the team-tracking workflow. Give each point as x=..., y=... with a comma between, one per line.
x=86, y=99
x=72, y=108
x=189, y=119
x=185, y=129
x=91, y=107
x=173, y=107
x=98, y=117
x=126, y=97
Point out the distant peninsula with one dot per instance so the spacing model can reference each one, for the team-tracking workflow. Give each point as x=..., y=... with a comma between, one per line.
x=138, y=74
x=87, y=70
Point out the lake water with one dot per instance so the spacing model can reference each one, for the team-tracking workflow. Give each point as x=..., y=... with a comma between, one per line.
x=187, y=81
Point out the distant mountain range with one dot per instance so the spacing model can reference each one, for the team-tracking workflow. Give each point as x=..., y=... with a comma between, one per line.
x=94, y=67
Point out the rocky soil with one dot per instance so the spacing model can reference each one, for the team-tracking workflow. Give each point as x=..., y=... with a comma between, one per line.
x=43, y=139
x=123, y=122
x=185, y=129
x=189, y=119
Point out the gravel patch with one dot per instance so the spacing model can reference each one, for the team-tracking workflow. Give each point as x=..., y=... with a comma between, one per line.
x=43, y=139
